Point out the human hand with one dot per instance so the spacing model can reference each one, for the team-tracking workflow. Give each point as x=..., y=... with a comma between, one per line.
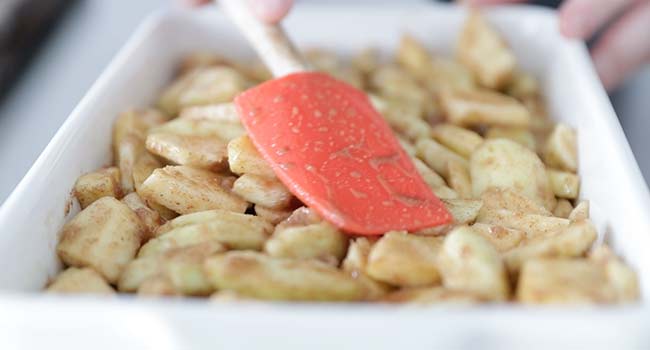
x=622, y=49
x=270, y=11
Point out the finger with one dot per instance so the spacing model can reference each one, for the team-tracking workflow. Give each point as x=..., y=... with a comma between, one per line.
x=270, y=11
x=624, y=47
x=195, y=2
x=582, y=18
x=489, y=2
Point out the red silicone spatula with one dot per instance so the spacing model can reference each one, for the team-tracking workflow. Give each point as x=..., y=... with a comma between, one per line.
x=327, y=144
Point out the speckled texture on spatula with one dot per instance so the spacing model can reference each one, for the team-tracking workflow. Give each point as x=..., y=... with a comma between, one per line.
x=334, y=151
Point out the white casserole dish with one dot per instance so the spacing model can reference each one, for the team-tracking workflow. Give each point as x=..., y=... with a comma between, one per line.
x=32, y=216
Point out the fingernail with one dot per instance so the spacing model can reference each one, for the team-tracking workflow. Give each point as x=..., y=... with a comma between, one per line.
x=270, y=11
x=190, y=3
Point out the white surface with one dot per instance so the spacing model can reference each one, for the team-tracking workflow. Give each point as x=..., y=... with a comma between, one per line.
x=140, y=324
x=34, y=213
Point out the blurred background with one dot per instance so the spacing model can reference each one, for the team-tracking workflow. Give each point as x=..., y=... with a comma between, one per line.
x=51, y=51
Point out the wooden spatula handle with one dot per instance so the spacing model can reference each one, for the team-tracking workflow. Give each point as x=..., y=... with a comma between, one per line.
x=270, y=41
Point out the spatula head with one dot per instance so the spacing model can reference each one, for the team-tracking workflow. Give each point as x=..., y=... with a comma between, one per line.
x=335, y=152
